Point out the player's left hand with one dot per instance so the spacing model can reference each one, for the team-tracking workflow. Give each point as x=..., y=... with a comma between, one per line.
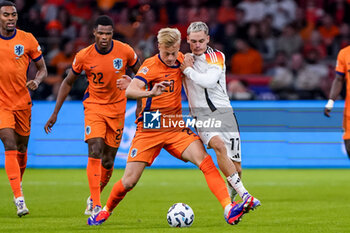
x=32, y=85
x=123, y=82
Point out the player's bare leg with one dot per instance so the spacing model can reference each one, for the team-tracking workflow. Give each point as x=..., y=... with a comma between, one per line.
x=347, y=146
x=229, y=169
x=12, y=168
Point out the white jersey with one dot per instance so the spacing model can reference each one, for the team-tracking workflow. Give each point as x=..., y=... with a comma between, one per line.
x=205, y=83
x=205, y=86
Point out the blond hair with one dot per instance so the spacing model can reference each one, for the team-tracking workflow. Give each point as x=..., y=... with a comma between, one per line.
x=169, y=36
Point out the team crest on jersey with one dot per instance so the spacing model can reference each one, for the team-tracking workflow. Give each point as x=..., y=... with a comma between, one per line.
x=88, y=130
x=19, y=49
x=118, y=63
x=144, y=70
x=133, y=152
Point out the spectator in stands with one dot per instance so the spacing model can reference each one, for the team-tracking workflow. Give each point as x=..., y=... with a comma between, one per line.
x=342, y=40
x=290, y=41
x=283, y=12
x=267, y=46
x=254, y=10
x=226, y=12
x=328, y=31
x=282, y=77
x=310, y=78
x=315, y=43
x=247, y=60
x=239, y=90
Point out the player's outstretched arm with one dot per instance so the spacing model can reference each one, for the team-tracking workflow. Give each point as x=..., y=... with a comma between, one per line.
x=65, y=88
x=336, y=88
x=136, y=89
x=40, y=75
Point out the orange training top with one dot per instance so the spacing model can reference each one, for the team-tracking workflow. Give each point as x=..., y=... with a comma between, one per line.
x=16, y=52
x=102, y=71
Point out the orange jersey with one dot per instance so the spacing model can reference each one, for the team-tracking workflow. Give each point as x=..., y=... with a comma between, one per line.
x=16, y=52
x=343, y=68
x=102, y=71
x=154, y=70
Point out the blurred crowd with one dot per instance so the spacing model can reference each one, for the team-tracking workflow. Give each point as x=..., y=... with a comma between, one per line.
x=275, y=49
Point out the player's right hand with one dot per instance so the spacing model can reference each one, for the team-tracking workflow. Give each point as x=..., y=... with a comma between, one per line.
x=159, y=88
x=188, y=62
x=50, y=123
x=327, y=112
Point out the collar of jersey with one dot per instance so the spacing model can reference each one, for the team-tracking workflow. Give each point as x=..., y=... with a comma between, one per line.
x=102, y=52
x=9, y=38
x=176, y=66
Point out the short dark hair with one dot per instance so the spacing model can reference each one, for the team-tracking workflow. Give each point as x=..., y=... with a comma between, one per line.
x=7, y=3
x=104, y=20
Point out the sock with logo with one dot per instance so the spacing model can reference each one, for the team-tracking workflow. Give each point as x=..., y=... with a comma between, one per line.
x=13, y=172
x=237, y=184
x=215, y=182
x=22, y=162
x=93, y=171
x=106, y=175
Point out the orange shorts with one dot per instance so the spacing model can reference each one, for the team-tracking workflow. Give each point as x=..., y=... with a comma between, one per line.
x=146, y=145
x=108, y=128
x=346, y=127
x=19, y=120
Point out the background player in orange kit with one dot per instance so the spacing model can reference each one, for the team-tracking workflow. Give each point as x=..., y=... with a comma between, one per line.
x=342, y=76
x=104, y=62
x=17, y=49
x=159, y=83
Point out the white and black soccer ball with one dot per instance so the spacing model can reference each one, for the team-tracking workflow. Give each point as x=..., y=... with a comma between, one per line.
x=180, y=215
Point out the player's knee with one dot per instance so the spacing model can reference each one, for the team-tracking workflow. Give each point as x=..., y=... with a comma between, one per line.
x=22, y=148
x=108, y=164
x=129, y=183
x=95, y=152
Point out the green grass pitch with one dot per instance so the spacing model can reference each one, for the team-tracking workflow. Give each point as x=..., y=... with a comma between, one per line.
x=294, y=201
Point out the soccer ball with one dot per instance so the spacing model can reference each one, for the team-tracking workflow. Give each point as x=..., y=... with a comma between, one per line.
x=180, y=215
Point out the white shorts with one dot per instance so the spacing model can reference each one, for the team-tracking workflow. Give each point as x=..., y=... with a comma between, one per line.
x=228, y=132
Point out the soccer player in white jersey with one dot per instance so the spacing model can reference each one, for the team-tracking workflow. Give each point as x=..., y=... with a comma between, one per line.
x=205, y=86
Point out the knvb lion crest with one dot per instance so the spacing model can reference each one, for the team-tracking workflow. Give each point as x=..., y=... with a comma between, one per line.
x=19, y=49
x=118, y=63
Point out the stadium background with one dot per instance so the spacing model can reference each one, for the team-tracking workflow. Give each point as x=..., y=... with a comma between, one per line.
x=291, y=44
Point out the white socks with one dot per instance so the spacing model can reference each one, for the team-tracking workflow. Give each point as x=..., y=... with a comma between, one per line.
x=237, y=184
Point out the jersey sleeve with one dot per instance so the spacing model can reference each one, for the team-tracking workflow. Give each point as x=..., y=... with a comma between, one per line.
x=131, y=55
x=35, y=49
x=145, y=72
x=340, y=67
x=77, y=65
x=215, y=67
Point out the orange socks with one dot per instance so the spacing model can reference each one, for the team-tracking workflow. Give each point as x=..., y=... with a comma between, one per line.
x=117, y=194
x=93, y=171
x=13, y=172
x=22, y=162
x=106, y=174
x=215, y=182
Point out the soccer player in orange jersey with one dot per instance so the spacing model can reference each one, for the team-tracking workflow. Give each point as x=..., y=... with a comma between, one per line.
x=158, y=82
x=342, y=76
x=104, y=62
x=17, y=49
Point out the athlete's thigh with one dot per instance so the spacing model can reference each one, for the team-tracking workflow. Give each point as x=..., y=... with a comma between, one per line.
x=114, y=130
x=8, y=138
x=178, y=142
x=23, y=120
